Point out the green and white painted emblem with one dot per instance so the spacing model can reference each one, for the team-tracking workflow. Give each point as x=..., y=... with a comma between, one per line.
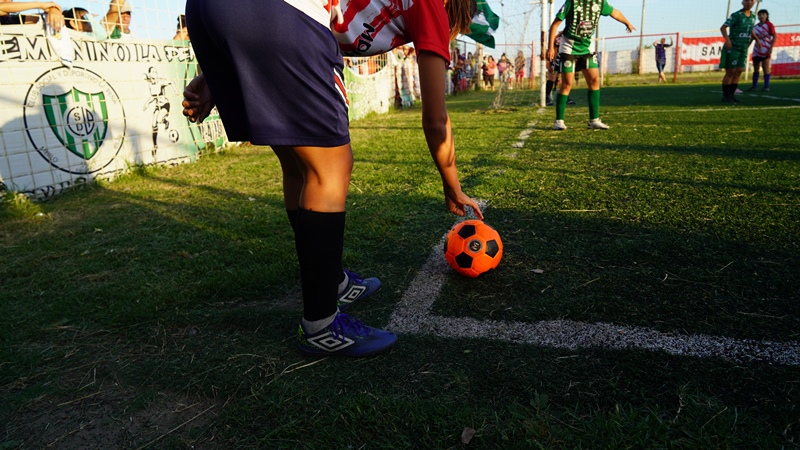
x=75, y=120
x=78, y=119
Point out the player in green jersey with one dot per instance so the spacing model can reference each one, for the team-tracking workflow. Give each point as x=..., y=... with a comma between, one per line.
x=577, y=53
x=737, y=31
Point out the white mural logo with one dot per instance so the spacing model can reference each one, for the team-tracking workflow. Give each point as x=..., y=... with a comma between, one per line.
x=74, y=119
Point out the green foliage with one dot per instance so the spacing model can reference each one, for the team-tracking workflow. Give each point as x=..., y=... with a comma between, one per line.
x=158, y=310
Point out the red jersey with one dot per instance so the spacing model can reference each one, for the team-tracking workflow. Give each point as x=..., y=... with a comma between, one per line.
x=765, y=31
x=372, y=27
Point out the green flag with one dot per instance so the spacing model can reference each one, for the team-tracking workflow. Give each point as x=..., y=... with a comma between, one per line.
x=484, y=24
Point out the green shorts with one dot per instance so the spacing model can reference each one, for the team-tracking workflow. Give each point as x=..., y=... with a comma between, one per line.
x=571, y=63
x=733, y=59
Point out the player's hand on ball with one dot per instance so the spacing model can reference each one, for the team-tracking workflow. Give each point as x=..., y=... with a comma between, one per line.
x=458, y=201
x=197, y=101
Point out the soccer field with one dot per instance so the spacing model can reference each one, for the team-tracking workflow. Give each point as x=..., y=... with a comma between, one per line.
x=647, y=297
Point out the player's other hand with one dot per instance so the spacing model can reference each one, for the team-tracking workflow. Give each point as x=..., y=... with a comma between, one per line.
x=551, y=54
x=197, y=101
x=630, y=28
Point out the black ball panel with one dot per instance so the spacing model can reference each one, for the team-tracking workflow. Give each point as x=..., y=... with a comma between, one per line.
x=466, y=231
x=492, y=248
x=464, y=261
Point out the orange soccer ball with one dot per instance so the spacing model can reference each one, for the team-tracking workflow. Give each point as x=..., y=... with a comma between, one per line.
x=472, y=248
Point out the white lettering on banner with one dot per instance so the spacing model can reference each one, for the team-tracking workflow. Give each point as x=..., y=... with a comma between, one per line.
x=35, y=48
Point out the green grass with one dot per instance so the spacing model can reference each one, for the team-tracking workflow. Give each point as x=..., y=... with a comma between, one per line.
x=158, y=310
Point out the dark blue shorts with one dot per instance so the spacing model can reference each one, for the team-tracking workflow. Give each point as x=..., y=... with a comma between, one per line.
x=275, y=73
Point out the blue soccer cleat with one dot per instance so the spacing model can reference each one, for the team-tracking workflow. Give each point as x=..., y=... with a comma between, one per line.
x=345, y=336
x=357, y=288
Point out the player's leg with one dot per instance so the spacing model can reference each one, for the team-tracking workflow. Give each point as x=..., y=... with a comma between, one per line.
x=567, y=75
x=317, y=134
x=592, y=76
x=736, y=75
x=352, y=287
x=319, y=239
x=552, y=76
x=724, y=64
x=767, y=65
x=756, y=73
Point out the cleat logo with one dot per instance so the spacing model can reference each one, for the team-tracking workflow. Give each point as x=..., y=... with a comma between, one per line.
x=329, y=342
x=353, y=293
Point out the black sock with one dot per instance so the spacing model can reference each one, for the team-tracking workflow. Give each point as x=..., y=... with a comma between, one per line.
x=319, y=238
x=725, y=90
x=733, y=89
x=548, y=89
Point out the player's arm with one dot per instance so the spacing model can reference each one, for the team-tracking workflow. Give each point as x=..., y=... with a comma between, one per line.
x=754, y=37
x=619, y=17
x=724, y=30
x=670, y=42
x=439, y=133
x=773, y=40
x=551, y=40
x=197, y=100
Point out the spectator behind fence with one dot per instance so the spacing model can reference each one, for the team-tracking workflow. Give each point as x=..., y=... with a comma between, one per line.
x=82, y=21
x=8, y=16
x=122, y=28
x=519, y=69
x=661, y=57
x=181, y=34
x=489, y=67
x=469, y=70
x=504, y=69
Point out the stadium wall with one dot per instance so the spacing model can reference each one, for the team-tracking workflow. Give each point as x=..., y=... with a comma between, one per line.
x=78, y=110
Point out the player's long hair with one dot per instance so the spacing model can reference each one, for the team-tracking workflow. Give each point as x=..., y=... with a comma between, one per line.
x=460, y=14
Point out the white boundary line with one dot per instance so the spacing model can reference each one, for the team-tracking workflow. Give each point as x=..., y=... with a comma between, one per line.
x=733, y=108
x=413, y=316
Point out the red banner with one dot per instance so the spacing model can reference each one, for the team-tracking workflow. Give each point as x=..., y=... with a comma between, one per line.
x=703, y=50
x=707, y=50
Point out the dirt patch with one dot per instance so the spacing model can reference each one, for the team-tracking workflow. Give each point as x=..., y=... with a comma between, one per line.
x=113, y=418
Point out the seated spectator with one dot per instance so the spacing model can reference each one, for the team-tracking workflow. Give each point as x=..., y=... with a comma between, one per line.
x=182, y=33
x=9, y=8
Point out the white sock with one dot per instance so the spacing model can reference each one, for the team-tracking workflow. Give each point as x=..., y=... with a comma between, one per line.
x=343, y=284
x=317, y=325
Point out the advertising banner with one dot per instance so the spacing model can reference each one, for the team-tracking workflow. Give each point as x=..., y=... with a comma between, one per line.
x=707, y=50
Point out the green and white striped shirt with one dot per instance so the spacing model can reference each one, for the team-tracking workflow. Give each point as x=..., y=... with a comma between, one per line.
x=581, y=18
